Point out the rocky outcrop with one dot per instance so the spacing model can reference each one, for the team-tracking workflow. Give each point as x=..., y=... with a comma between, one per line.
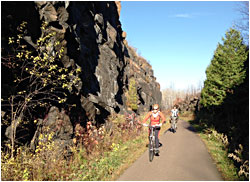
x=190, y=104
x=57, y=126
x=94, y=40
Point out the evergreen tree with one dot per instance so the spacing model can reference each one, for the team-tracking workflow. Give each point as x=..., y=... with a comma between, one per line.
x=226, y=70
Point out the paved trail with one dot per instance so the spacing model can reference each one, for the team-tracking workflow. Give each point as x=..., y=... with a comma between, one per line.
x=183, y=157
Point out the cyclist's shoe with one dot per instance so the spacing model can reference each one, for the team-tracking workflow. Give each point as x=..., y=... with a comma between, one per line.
x=157, y=152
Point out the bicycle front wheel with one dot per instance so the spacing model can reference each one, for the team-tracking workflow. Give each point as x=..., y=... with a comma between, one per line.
x=151, y=150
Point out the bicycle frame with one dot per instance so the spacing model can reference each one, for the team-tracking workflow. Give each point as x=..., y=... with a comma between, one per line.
x=151, y=145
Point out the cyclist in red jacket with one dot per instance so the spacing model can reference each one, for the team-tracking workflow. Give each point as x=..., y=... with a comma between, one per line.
x=155, y=116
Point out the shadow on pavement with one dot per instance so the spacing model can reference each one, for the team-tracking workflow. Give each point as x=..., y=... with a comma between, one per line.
x=190, y=128
x=168, y=130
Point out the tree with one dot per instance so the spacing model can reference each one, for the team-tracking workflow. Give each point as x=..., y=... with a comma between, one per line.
x=132, y=94
x=39, y=75
x=225, y=97
x=243, y=24
x=226, y=70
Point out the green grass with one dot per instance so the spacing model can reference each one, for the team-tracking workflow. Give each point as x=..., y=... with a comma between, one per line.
x=116, y=162
x=113, y=164
x=110, y=166
x=218, y=152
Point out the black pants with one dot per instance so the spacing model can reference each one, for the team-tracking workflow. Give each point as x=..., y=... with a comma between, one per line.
x=157, y=130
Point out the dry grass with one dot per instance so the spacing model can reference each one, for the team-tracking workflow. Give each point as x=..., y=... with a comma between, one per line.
x=187, y=116
x=106, y=159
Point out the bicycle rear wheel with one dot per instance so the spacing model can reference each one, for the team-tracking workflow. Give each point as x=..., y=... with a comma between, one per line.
x=151, y=150
x=173, y=125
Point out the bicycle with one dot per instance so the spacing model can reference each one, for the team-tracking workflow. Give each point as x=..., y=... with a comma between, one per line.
x=174, y=124
x=151, y=145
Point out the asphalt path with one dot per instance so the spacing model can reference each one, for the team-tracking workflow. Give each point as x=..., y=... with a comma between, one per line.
x=183, y=157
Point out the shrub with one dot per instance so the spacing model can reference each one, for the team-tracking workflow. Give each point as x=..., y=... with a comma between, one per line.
x=39, y=75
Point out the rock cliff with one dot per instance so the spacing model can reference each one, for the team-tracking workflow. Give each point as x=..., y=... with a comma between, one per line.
x=94, y=40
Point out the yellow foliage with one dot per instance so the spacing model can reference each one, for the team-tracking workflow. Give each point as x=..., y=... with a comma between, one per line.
x=11, y=41
x=43, y=69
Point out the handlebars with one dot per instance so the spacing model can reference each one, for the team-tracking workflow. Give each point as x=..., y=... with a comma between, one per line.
x=157, y=125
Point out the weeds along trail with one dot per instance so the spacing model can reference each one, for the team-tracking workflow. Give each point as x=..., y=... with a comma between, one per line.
x=100, y=154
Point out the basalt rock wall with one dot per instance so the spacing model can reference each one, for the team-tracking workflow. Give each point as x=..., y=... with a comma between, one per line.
x=94, y=40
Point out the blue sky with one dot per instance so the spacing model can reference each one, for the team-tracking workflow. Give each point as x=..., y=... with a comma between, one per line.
x=178, y=38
